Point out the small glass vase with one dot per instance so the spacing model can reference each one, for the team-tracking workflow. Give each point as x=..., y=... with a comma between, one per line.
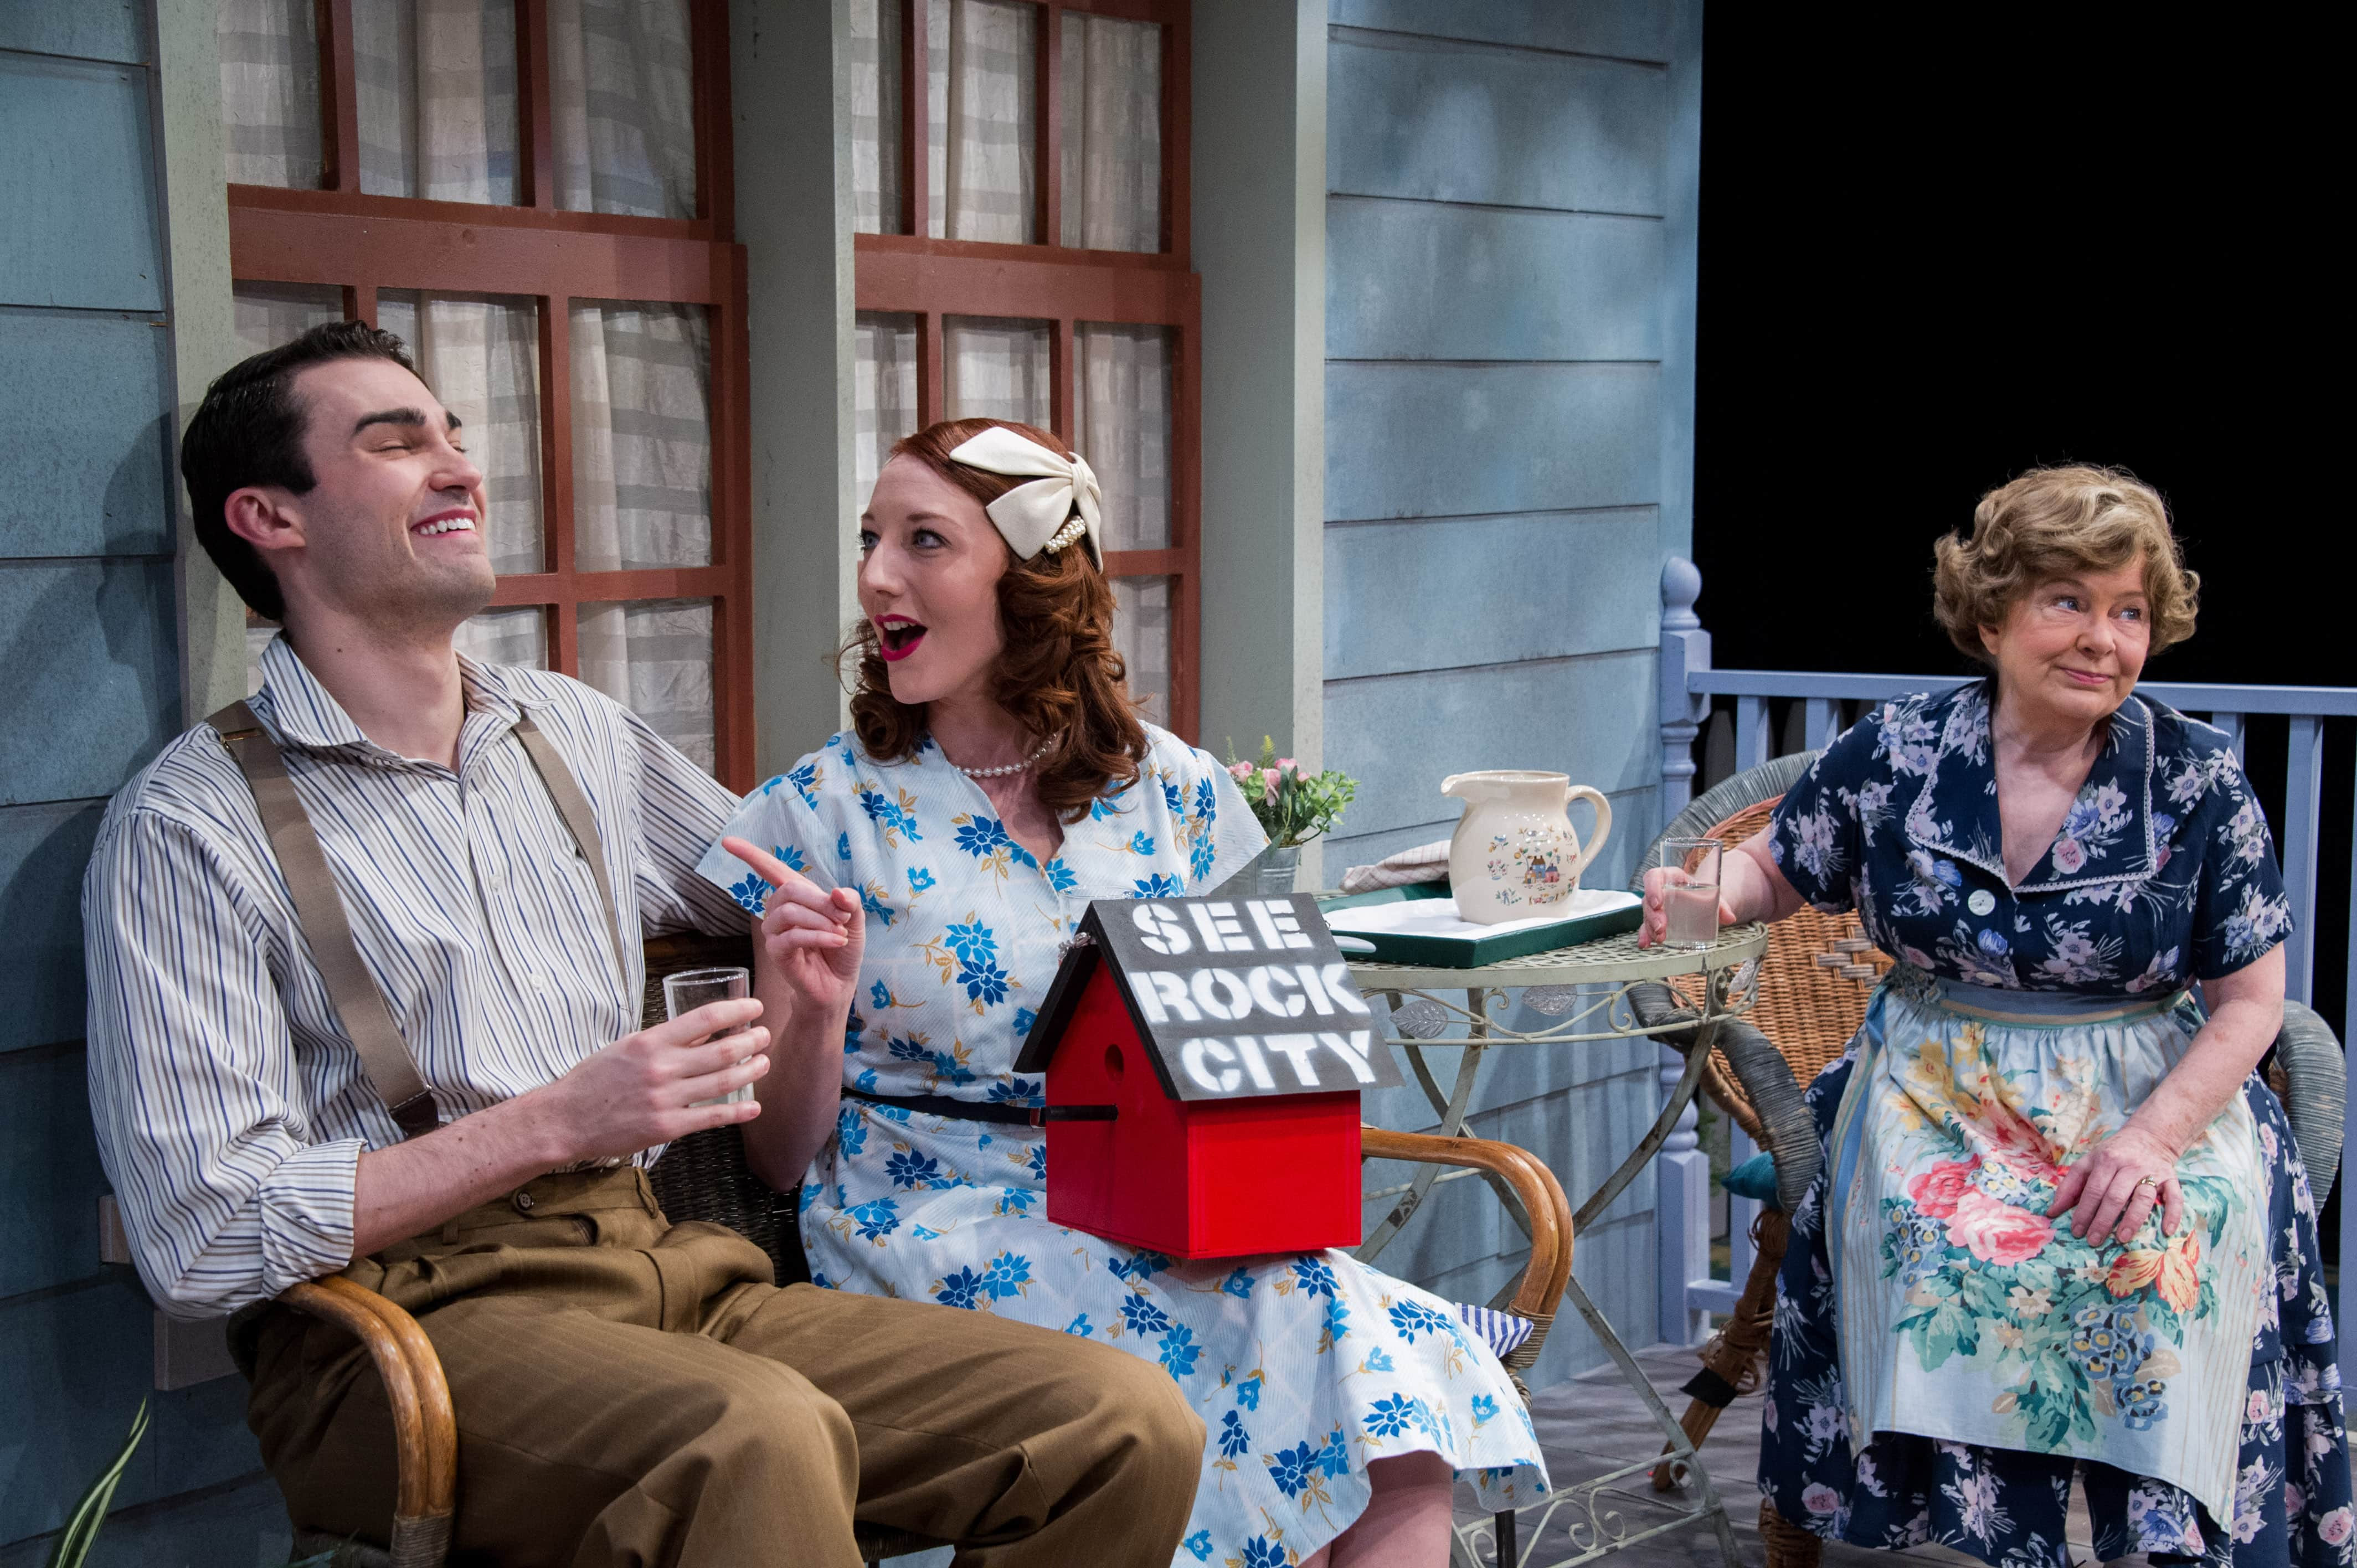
x=1276, y=868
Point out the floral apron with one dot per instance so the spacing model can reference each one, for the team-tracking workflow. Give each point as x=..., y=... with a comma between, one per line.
x=1963, y=1313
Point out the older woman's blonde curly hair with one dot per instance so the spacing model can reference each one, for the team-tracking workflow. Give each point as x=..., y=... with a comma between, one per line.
x=2056, y=522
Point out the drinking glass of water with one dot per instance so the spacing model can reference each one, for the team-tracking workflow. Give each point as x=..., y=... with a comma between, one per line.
x=1690, y=892
x=692, y=988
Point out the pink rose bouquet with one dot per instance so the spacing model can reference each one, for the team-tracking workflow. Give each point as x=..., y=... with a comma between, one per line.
x=1291, y=807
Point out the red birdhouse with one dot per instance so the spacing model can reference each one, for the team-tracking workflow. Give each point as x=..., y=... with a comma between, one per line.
x=1204, y=1059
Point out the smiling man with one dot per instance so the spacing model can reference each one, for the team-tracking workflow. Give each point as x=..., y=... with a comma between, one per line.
x=365, y=965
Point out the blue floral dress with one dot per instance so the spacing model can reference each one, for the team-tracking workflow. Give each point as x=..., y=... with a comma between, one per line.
x=1304, y=1367
x=1944, y=1355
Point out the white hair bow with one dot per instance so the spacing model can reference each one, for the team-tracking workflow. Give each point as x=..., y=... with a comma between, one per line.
x=1038, y=516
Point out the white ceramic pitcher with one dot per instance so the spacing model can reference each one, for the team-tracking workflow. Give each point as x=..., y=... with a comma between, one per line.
x=1514, y=854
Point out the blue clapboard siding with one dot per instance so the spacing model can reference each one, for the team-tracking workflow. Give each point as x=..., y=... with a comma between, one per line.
x=103, y=630
x=82, y=396
x=64, y=1409
x=236, y=1523
x=1400, y=735
x=42, y=852
x=90, y=642
x=49, y=1168
x=1435, y=119
x=82, y=29
x=77, y=186
x=1421, y=438
x=1500, y=310
x=1636, y=32
x=1426, y=595
x=1486, y=283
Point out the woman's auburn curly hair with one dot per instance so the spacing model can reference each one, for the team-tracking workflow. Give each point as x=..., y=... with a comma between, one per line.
x=1059, y=673
x=2058, y=523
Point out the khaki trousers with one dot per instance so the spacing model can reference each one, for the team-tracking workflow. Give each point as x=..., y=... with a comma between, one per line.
x=629, y=1392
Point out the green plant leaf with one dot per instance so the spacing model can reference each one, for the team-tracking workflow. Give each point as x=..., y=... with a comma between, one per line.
x=80, y=1532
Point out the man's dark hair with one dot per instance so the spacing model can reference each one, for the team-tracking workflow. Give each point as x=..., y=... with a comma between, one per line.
x=249, y=431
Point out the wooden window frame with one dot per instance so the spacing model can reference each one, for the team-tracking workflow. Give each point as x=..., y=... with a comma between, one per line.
x=909, y=273
x=336, y=236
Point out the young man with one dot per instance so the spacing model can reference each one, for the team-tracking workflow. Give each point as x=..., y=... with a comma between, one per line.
x=626, y=1392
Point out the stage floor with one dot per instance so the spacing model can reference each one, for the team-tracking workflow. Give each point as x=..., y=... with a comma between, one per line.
x=1595, y=1423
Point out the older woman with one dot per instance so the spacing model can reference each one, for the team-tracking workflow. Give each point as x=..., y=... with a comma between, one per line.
x=996, y=780
x=2062, y=1219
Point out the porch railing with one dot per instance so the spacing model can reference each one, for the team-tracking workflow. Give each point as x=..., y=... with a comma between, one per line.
x=1688, y=684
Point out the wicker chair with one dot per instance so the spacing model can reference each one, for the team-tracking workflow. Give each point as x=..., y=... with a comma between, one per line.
x=705, y=1177
x=1815, y=981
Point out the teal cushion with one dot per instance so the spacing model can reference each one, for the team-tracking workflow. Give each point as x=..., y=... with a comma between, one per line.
x=1754, y=1178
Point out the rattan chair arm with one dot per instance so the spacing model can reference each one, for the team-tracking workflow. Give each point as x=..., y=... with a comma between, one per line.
x=1786, y=1128
x=424, y=1427
x=1540, y=1290
x=1655, y=1005
x=2318, y=1097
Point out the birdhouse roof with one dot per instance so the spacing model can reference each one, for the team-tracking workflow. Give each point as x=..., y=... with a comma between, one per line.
x=1234, y=997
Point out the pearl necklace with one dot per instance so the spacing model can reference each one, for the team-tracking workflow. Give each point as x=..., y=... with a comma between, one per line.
x=1045, y=746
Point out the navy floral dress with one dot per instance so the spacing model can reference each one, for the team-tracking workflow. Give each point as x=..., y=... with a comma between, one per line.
x=1944, y=1357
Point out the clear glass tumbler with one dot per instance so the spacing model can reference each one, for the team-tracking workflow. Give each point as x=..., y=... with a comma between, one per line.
x=1690, y=897
x=692, y=988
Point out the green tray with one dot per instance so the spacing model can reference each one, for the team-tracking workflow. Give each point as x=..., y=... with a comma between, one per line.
x=1472, y=953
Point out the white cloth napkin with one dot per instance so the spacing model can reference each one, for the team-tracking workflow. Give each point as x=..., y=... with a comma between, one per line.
x=1425, y=862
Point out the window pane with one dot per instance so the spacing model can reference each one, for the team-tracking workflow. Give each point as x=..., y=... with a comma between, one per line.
x=269, y=314
x=872, y=66
x=1121, y=379
x=437, y=98
x=887, y=391
x=622, y=108
x=996, y=368
x=982, y=115
x=269, y=92
x=1141, y=631
x=655, y=656
x=641, y=437
x=514, y=636
x=1112, y=152
x=480, y=353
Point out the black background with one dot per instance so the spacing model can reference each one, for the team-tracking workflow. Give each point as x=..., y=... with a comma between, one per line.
x=1940, y=247
x=1933, y=256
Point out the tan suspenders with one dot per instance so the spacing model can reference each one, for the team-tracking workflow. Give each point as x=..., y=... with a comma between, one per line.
x=319, y=904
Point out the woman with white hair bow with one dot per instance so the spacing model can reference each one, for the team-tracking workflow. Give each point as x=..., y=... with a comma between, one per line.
x=995, y=779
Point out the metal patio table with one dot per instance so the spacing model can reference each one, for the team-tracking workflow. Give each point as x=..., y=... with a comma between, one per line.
x=1585, y=991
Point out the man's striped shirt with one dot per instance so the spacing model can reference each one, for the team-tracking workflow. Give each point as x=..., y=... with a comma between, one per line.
x=232, y=1110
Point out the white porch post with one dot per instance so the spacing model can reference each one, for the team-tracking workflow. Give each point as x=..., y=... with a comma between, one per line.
x=1259, y=179
x=792, y=108
x=1686, y=648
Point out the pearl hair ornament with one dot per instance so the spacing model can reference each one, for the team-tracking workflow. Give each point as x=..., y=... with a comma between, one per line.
x=1058, y=504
